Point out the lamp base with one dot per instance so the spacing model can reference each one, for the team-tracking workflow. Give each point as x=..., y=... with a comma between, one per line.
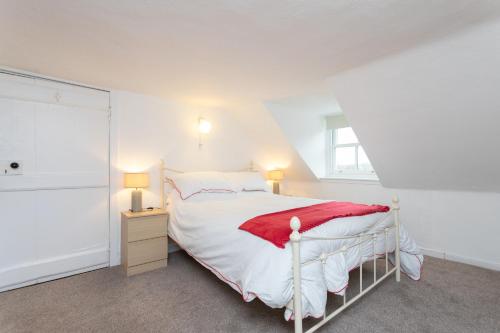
x=136, y=201
x=276, y=187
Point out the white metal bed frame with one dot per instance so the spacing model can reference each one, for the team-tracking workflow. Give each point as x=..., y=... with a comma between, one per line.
x=296, y=238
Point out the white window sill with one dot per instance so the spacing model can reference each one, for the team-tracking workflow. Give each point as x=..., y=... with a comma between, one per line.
x=352, y=179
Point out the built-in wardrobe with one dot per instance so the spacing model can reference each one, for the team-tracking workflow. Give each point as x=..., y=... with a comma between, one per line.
x=54, y=179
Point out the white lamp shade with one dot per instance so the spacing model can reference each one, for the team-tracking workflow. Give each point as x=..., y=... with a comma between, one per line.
x=136, y=180
x=275, y=175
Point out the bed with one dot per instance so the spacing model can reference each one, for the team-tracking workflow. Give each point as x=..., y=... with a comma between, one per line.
x=298, y=277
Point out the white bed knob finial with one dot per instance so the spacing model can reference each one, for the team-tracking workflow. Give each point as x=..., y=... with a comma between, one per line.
x=395, y=202
x=295, y=225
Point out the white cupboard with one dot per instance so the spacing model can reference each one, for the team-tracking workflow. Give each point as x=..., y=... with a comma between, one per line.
x=54, y=208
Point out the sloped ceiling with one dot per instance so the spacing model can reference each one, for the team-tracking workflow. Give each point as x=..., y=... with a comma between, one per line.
x=237, y=54
x=430, y=117
x=302, y=120
x=216, y=51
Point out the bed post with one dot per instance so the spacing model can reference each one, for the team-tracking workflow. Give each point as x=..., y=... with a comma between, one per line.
x=297, y=295
x=395, y=208
x=162, y=183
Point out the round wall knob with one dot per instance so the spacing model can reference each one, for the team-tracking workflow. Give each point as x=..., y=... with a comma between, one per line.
x=14, y=165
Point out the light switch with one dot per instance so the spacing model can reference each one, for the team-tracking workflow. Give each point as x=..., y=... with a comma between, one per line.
x=11, y=167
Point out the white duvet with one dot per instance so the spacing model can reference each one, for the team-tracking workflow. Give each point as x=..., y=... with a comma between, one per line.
x=206, y=226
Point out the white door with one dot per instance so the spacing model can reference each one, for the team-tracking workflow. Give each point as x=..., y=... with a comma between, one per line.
x=54, y=207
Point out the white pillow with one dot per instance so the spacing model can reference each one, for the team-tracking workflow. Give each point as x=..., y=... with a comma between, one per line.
x=206, y=196
x=247, y=181
x=191, y=183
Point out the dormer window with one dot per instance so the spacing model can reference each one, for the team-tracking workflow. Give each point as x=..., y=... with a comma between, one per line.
x=346, y=158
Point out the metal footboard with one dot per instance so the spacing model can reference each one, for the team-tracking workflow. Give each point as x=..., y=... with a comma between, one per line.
x=296, y=238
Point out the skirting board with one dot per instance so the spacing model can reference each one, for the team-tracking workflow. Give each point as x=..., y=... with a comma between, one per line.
x=53, y=268
x=441, y=254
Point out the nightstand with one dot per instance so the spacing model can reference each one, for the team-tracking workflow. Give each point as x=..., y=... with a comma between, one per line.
x=144, y=241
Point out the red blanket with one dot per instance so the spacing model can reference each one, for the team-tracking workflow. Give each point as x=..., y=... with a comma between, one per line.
x=275, y=227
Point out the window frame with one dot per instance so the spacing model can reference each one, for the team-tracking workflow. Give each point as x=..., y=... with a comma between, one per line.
x=356, y=173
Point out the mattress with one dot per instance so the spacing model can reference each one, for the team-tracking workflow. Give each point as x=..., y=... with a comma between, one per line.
x=206, y=227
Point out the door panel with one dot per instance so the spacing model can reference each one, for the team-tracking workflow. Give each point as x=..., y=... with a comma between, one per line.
x=55, y=215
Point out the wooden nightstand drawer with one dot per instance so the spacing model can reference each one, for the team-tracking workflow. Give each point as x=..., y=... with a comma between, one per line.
x=144, y=240
x=147, y=227
x=146, y=251
x=146, y=267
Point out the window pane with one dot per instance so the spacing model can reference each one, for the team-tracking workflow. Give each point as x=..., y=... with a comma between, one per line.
x=363, y=161
x=345, y=158
x=346, y=135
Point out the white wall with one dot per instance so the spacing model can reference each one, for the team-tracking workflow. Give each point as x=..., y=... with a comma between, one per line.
x=272, y=148
x=459, y=226
x=307, y=133
x=146, y=129
x=428, y=117
x=302, y=121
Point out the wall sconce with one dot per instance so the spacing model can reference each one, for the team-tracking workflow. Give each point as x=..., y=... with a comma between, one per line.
x=204, y=127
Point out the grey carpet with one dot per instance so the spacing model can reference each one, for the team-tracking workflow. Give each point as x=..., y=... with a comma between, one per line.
x=184, y=297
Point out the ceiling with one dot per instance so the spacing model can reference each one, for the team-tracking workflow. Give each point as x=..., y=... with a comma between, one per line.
x=428, y=117
x=215, y=51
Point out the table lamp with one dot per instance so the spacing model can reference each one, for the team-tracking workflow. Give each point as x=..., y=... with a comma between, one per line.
x=275, y=176
x=136, y=180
